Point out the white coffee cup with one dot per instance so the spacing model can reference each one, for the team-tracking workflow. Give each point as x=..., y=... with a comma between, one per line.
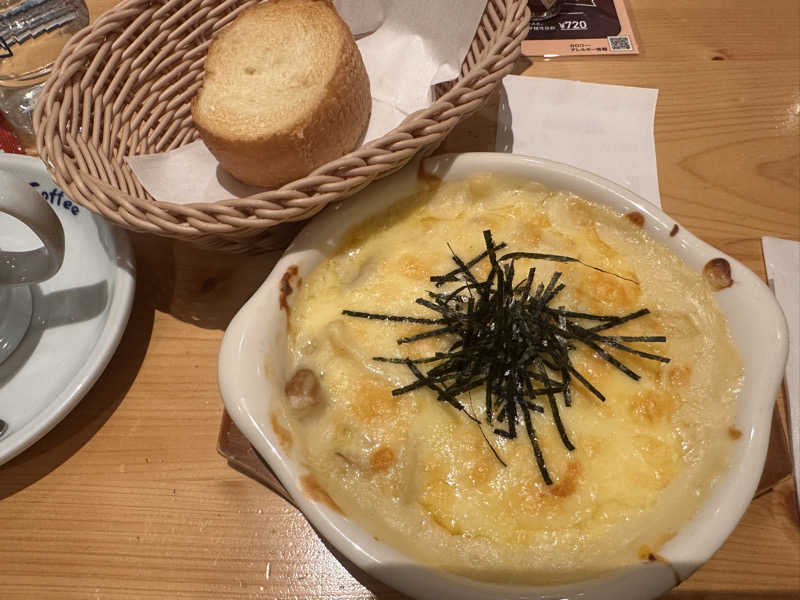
x=18, y=270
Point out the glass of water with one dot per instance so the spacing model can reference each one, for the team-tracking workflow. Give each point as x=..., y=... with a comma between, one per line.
x=32, y=33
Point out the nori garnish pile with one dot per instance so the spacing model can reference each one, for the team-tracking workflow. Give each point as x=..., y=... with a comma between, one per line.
x=509, y=339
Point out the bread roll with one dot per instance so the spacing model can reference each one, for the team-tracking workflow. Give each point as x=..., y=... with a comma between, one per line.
x=284, y=91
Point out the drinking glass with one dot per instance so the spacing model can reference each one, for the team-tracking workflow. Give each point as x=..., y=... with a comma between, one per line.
x=32, y=33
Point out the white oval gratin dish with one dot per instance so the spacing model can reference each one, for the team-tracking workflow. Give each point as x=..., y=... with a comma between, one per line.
x=253, y=372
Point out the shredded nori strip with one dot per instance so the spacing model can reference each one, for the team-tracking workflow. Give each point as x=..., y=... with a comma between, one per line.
x=451, y=276
x=510, y=341
x=363, y=315
x=558, y=258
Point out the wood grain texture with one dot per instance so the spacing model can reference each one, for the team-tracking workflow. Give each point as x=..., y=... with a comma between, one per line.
x=127, y=497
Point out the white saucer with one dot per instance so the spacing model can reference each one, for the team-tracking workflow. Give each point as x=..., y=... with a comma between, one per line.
x=78, y=315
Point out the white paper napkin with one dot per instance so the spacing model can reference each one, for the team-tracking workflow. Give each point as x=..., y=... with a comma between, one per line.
x=407, y=46
x=782, y=258
x=605, y=129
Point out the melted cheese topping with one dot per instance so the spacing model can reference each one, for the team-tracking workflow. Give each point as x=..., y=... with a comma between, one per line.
x=419, y=475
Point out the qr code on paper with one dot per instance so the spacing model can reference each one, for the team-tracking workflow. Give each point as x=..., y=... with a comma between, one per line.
x=619, y=43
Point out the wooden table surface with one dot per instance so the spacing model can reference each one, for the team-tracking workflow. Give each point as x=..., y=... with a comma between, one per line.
x=127, y=497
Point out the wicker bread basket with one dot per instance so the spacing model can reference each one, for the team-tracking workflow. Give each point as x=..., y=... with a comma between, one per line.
x=123, y=86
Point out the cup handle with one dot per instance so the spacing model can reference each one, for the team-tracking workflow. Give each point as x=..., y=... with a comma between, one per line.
x=21, y=201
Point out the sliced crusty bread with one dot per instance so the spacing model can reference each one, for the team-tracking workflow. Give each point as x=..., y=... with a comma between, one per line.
x=284, y=91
